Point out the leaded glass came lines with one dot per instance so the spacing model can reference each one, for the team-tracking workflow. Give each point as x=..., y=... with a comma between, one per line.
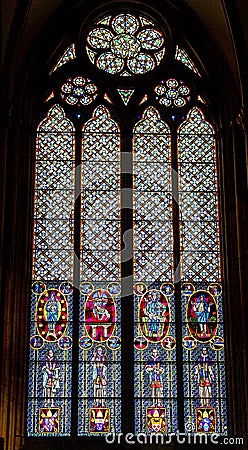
x=201, y=299
x=53, y=234
x=99, y=376
x=78, y=90
x=167, y=203
x=50, y=368
x=154, y=314
x=172, y=93
x=152, y=172
x=125, y=45
x=182, y=55
x=68, y=55
x=197, y=171
x=101, y=171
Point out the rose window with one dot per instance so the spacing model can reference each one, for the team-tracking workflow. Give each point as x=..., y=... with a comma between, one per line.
x=172, y=93
x=78, y=90
x=125, y=45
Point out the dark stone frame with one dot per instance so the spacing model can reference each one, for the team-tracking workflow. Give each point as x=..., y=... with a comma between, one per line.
x=23, y=87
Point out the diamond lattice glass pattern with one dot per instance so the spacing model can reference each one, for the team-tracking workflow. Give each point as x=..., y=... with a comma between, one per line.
x=50, y=366
x=154, y=327
x=200, y=247
x=53, y=233
x=182, y=55
x=100, y=231
x=201, y=297
x=100, y=315
x=125, y=45
x=152, y=180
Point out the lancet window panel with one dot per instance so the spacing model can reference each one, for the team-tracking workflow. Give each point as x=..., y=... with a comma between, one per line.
x=197, y=174
x=205, y=408
x=99, y=376
x=201, y=294
x=155, y=366
x=51, y=327
x=155, y=376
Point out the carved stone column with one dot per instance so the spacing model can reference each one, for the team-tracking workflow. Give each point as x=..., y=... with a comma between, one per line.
x=233, y=184
x=16, y=265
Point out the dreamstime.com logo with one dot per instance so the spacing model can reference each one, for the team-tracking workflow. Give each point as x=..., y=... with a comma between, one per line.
x=179, y=438
x=189, y=437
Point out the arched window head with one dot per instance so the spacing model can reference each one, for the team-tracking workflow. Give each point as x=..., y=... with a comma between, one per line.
x=127, y=283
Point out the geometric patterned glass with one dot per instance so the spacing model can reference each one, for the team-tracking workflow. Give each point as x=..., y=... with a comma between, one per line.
x=50, y=353
x=182, y=56
x=154, y=303
x=125, y=44
x=96, y=179
x=201, y=288
x=99, y=373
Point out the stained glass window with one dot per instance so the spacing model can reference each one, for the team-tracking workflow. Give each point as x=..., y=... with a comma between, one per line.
x=202, y=315
x=126, y=94
x=78, y=90
x=204, y=387
x=50, y=381
x=50, y=369
x=155, y=340
x=172, y=93
x=182, y=55
x=77, y=312
x=125, y=44
x=68, y=55
x=100, y=314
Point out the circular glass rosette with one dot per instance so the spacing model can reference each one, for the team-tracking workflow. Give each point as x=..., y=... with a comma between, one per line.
x=125, y=44
x=114, y=342
x=38, y=287
x=78, y=91
x=169, y=343
x=36, y=342
x=65, y=343
x=86, y=288
x=189, y=343
x=217, y=343
x=66, y=288
x=167, y=289
x=172, y=93
x=139, y=288
x=215, y=289
x=85, y=343
x=187, y=288
x=140, y=343
x=114, y=288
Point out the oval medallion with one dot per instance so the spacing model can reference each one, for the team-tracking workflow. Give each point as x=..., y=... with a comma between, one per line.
x=202, y=316
x=154, y=315
x=51, y=315
x=100, y=315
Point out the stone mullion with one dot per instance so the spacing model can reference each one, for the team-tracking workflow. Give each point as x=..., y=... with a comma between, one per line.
x=127, y=307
